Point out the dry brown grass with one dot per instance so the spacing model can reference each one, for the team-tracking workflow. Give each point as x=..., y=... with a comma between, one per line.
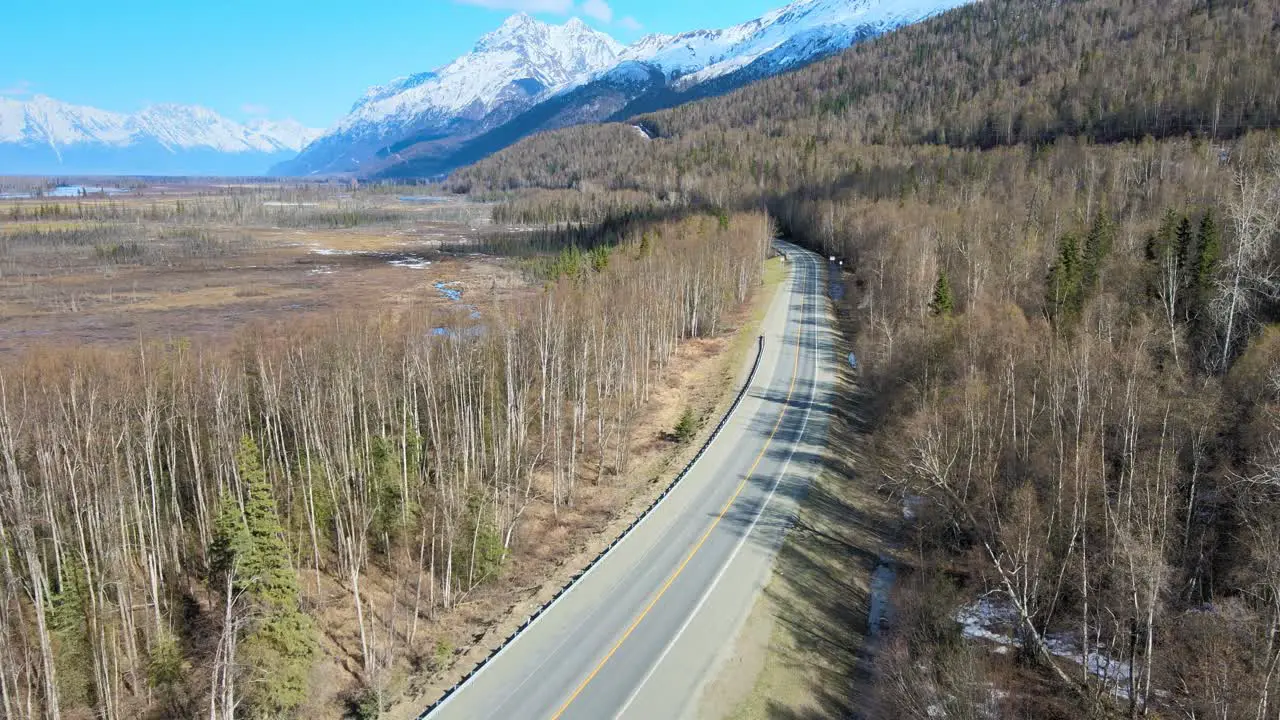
x=70, y=294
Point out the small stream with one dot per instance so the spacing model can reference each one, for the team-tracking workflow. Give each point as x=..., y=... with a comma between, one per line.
x=882, y=581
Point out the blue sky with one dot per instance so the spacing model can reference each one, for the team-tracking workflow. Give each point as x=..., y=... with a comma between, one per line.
x=306, y=59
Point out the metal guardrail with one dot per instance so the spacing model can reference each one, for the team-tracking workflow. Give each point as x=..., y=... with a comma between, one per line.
x=724, y=419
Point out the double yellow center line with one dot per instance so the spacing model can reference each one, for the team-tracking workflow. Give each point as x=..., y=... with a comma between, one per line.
x=795, y=372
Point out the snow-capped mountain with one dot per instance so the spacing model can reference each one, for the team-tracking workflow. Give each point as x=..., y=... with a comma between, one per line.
x=528, y=77
x=521, y=50
x=508, y=71
x=46, y=136
x=797, y=33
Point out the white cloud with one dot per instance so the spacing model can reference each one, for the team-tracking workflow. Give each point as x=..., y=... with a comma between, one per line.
x=21, y=88
x=252, y=109
x=534, y=6
x=598, y=9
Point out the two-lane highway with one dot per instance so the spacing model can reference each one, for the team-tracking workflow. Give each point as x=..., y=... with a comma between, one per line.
x=641, y=634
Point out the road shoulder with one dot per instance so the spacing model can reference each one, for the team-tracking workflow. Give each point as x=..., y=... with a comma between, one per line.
x=804, y=651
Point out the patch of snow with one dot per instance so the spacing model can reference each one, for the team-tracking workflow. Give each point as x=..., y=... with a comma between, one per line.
x=411, y=262
x=977, y=619
x=993, y=619
x=911, y=504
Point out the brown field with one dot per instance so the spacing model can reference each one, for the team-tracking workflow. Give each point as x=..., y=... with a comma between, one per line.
x=198, y=262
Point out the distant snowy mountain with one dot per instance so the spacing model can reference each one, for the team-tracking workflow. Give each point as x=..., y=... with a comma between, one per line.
x=528, y=77
x=44, y=136
x=509, y=70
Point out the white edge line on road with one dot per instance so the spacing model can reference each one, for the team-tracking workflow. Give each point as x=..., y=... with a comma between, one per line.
x=741, y=541
x=648, y=513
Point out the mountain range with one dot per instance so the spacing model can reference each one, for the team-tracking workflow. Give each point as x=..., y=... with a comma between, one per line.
x=44, y=136
x=524, y=77
x=528, y=76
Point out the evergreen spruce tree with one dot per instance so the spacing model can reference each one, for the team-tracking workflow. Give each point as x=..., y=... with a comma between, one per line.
x=1186, y=241
x=943, y=303
x=599, y=258
x=1097, y=246
x=646, y=245
x=1064, y=295
x=231, y=543
x=1208, y=253
x=279, y=645
x=1202, y=271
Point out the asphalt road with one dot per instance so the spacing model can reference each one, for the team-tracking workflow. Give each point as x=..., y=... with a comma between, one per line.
x=643, y=633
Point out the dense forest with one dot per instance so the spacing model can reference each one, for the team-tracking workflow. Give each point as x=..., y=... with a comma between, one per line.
x=172, y=518
x=1060, y=223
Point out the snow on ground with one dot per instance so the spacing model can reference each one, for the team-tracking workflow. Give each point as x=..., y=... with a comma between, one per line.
x=977, y=620
x=994, y=619
x=911, y=504
x=412, y=262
